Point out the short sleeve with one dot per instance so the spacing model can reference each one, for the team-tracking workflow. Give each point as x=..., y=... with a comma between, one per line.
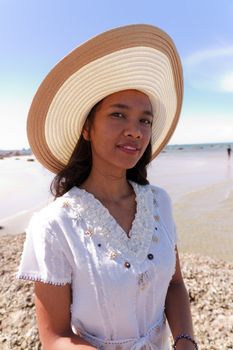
x=43, y=258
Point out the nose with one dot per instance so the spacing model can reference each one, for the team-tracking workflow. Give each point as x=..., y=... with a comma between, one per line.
x=133, y=130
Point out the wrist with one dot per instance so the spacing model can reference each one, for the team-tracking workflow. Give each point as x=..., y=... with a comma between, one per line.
x=184, y=342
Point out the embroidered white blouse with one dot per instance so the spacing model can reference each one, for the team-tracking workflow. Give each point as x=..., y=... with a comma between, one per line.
x=119, y=284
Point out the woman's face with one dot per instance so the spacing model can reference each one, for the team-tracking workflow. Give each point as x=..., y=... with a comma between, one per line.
x=121, y=130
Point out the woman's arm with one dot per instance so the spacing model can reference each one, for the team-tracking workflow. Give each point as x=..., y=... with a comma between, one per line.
x=53, y=318
x=177, y=309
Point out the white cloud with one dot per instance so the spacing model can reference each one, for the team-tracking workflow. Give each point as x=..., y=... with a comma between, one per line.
x=207, y=55
x=210, y=69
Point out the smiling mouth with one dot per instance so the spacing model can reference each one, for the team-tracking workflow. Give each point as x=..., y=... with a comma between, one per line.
x=128, y=149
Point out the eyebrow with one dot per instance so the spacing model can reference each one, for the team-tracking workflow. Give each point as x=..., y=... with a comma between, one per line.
x=120, y=105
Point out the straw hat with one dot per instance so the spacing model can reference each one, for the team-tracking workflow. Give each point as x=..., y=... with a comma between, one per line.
x=140, y=57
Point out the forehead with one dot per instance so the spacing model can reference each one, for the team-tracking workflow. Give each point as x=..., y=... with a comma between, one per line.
x=129, y=97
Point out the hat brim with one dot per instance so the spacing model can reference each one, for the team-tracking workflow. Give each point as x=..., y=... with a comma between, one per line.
x=139, y=57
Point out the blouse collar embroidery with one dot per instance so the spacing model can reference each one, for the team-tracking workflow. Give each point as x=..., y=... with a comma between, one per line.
x=98, y=219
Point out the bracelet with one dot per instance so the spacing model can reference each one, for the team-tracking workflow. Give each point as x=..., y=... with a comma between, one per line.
x=184, y=336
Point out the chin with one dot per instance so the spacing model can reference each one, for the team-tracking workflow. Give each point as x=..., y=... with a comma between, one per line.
x=130, y=165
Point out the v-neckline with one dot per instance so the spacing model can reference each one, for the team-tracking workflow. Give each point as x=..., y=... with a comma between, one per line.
x=104, y=208
x=101, y=223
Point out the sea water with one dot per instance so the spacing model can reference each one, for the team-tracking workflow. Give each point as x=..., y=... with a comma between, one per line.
x=180, y=169
x=189, y=168
x=24, y=188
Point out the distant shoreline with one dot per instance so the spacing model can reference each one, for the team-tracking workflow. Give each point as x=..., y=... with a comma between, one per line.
x=179, y=146
x=15, y=153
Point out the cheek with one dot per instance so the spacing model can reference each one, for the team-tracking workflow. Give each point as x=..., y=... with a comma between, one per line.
x=102, y=142
x=105, y=133
x=102, y=136
x=147, y=134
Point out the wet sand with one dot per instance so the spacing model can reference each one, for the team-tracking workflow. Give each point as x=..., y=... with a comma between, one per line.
x=201, y=187
x=206, y=229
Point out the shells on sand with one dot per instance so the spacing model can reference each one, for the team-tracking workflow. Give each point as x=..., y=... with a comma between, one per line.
x=209, y=284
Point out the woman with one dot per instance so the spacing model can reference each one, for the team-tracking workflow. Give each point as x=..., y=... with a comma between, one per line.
x=103, y=255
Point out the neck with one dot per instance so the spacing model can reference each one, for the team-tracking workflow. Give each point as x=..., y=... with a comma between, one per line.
x=106, y=186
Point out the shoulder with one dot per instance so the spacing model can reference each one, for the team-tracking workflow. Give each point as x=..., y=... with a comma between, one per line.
x=163, y=201
x=161, y=195
x=56, y=211
x=164, y=206
x=154, y=195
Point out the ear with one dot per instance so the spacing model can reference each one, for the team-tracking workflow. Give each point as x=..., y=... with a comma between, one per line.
x=86, y=132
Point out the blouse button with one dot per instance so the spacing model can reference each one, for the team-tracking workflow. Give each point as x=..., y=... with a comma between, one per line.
x=150, y=256
x=99, y=244
x=66, y=204
x=127, y=264
x=88, y=233
x=113, y=255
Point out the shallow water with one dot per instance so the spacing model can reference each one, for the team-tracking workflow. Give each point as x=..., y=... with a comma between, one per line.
x=181, y=173
x=24, y=186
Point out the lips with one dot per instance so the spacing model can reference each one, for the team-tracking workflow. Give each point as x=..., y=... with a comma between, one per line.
x=129, y=148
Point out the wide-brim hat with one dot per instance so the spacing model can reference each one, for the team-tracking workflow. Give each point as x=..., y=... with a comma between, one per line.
x=140, y=57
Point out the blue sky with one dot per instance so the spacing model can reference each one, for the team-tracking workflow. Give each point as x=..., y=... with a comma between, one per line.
x=35, y=35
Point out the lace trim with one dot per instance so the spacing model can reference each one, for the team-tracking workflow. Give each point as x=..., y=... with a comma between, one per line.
x=100, y=222
x=39, y=279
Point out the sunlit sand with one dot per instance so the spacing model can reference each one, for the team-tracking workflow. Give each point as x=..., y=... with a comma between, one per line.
x=201, y=186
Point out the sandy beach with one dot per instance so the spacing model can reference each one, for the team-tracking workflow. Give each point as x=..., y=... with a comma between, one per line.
x=201, y=187
x=200, y=183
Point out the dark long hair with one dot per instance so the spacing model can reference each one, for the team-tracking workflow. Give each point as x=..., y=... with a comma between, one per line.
x=79, y=166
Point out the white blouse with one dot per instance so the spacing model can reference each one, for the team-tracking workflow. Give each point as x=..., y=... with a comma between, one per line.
x=119, y=284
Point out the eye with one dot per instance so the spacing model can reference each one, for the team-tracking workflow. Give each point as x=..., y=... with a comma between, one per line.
x=117, y=114
x=146, y=121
